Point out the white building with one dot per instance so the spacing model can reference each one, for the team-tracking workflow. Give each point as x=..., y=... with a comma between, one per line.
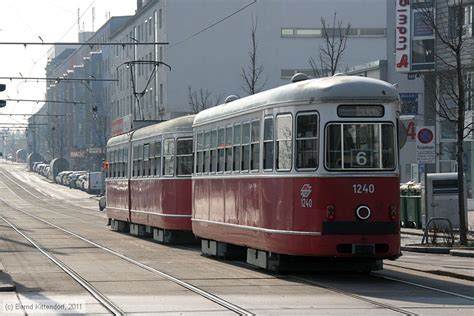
x=209, y=44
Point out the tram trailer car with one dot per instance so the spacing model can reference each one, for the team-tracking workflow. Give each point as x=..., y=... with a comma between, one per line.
x=307, y=170
x=148, y=184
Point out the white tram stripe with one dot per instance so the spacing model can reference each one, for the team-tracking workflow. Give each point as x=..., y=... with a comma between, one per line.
x=265, y=230
x=147, y=212
x=161, y=214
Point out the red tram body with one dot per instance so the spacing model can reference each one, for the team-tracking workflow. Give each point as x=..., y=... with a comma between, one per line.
x=306, y=169
x=150, y=188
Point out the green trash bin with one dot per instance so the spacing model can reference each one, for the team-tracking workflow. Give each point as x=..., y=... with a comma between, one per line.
x=403, y=209
x=413, y=210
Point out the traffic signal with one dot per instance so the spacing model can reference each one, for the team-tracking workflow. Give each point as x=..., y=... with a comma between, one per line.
x=2, y=102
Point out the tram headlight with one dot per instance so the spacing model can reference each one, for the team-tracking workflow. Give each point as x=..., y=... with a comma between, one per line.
x=363, y=212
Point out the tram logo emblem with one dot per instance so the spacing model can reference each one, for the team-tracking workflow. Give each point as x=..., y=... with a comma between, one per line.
x=306, y=190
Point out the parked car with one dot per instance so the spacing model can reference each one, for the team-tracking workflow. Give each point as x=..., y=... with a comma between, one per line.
x=72, y=178
x=65, y=177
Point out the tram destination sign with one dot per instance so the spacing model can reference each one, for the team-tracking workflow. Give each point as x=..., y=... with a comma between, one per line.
x=425, y=145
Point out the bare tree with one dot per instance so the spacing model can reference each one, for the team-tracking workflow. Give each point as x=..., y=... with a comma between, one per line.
x=452, y=46
x=253, y=75
x=330, y=54
x=201, y=100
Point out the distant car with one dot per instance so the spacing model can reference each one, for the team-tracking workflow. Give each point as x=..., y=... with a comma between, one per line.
x=81, y=181
x=72, y=178
x=64, y=177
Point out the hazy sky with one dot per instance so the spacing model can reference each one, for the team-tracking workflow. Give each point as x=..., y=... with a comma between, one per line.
x=53, y=21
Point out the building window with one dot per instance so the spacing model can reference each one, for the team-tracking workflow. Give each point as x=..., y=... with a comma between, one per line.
x=160, y=19
x=318, y=32
x=423, y=51
x=161, y=94
x=469, y=91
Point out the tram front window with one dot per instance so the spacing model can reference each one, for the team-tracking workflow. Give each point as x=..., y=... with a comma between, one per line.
x=360, y=146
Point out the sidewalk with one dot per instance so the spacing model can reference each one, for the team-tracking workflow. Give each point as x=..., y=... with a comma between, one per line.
x=448, y=261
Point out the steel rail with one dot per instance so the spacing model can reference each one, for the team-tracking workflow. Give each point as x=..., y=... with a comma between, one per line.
x=211, y=297
x=101, y=298
x=358, y=297
x=83, y=210
x=471, y=298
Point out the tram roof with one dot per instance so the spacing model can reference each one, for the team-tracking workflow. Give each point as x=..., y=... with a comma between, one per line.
x=331, y=89
x=180, y=124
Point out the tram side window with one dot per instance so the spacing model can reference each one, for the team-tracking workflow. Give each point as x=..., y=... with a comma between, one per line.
x=135, y=161
x=228, y=148
x=146, y=156
x=284, y=142
x=151, y=163
x=140, y=160
x=118, y=162
x=200, y=152
x=184, y=157
x=157, y=158
x=107, y=158
x=307, y=141
x=268, y=144
x=245, y=147
x=207, y=152
x=213, y=150
x=112, y=169
x=388, y=147
x=125, y=162
x=220, y=150
x=168, y=155
x=255, y=146
x=237, y=137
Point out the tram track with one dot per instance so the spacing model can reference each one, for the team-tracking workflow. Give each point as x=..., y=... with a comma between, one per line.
x=355, y=296
x=203, y=293
x=41, y=199
x=239, y=310
x=99, y=296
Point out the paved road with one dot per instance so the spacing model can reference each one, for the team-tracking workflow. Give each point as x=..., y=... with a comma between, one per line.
x=32, y=204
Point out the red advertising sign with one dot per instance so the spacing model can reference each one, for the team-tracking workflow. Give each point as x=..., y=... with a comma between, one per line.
x=402, y=36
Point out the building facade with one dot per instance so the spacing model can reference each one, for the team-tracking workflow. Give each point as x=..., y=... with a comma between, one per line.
x=199, y=53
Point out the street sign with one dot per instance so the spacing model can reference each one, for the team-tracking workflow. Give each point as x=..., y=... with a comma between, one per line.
x=425, y=145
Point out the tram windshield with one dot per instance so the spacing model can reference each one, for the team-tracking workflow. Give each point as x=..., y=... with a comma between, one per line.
x=352, y=146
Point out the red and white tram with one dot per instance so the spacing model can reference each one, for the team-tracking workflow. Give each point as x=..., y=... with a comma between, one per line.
x=148, y=183
x=307, y=169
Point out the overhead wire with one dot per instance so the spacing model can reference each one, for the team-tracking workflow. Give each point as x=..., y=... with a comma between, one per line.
x=213, y=24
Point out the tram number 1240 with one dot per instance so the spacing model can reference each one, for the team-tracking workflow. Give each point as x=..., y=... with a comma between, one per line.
x=363, y=188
